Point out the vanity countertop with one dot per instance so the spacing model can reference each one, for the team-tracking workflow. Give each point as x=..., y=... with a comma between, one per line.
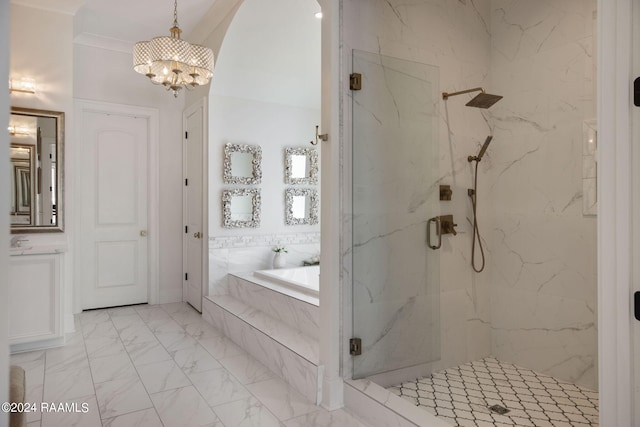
x=37, y=250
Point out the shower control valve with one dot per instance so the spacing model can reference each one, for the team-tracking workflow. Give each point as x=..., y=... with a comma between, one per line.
x=447, y=226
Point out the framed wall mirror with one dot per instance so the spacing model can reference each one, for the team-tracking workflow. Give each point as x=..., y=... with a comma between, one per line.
x=242, y=164
x=37, y=170
x=300, y=166
x=301, y=206
x=241, y=208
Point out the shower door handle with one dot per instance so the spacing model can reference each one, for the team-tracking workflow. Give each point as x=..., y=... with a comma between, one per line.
x=438, y=231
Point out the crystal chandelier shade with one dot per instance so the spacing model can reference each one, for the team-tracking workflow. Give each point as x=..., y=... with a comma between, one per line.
x=173, y=62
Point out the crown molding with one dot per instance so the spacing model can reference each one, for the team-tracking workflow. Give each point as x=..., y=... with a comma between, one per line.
x=67, y=7
x=102, y=42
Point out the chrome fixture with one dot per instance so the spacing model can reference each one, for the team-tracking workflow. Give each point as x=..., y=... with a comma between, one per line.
x=173, y=62
x=481, y=100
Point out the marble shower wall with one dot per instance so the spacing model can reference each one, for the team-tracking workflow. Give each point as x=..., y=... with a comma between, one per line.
x=455, y=37
x=541, y=248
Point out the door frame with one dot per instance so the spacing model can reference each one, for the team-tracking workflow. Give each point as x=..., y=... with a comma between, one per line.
x=153, y=189
x=203, y=104
x=615, y=216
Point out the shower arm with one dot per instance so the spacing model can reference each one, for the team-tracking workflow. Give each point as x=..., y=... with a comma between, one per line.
x=446, y=95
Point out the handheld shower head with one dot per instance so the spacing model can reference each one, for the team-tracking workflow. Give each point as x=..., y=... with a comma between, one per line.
x=481, y=100
x=482, y=150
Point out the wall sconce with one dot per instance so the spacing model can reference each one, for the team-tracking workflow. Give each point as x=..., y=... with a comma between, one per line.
x=23, y=85
x=18, y=130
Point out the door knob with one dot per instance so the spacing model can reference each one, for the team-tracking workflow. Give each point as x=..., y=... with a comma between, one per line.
x=143, y=233
x=197, y=235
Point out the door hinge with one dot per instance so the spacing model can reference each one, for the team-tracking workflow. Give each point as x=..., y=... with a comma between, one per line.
x=186, y=228
x=355, y=81
x=636, y=305
x=186, y=181
x=355, y=346
x=186, y=276
x=186, y=135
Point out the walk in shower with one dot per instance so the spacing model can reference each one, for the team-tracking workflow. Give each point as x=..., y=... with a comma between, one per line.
x=516, y=342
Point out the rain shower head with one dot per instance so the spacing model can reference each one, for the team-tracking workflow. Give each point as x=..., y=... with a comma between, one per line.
x=481, y=100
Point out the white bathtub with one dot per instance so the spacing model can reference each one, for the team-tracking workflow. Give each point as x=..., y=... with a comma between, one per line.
x=301, y=279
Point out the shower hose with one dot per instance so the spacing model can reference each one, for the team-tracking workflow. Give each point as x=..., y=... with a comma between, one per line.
x=473, y=194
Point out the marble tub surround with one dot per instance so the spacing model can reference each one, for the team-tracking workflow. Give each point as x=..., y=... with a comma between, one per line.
x=205, y=381
x=289, y=354
x=248, y=253
x=301, y=314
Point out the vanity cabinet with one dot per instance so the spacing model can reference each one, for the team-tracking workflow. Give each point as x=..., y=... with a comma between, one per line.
x=35, y=300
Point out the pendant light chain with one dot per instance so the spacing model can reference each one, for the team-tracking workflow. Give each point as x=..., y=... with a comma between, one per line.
x=175, y=13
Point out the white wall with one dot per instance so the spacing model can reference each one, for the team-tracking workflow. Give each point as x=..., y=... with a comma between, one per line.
x=4, y=209
x=265, y=92
x=107, y=75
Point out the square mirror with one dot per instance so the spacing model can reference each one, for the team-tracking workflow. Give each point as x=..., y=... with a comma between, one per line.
x=242, y=164
x=36, y=154
x=300, y=166
x=241, y=208
x=301, y=206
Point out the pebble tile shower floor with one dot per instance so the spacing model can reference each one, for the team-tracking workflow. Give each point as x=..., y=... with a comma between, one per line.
x=463, y=396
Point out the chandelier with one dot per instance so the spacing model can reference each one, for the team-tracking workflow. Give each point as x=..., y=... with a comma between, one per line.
x=173, y=62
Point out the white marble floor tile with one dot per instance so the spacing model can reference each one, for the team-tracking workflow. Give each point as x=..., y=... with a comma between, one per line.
x=65, y=358
x=104, y=347
x=152, y=313
x=147, y=352
x=247, y=412
x=82, y=412
x=136, y=333
x=202, y=329
x=70, y=384
x=184, y=407
x=218, y=386
x=324, y=418
x=164, y=325
x=161, y=376
x=221, y=347
x=185, y=317
x=194, y=359
x=128, y=320
x=146, y=418
x=122, y=396
x=112, y=368
x=175, y=307
x=122, y=311
x=102, y=329
x=246, y=369
x=281, y=399
x=176, y=340
x=94, y=316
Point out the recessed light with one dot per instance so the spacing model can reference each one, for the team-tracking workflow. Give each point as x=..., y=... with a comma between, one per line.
x=318, y=15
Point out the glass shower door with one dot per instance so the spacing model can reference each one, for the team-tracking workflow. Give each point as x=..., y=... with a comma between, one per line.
x=396, y=286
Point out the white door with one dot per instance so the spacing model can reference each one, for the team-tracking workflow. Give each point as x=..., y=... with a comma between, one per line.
x=195, y=236
x=113, y=251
